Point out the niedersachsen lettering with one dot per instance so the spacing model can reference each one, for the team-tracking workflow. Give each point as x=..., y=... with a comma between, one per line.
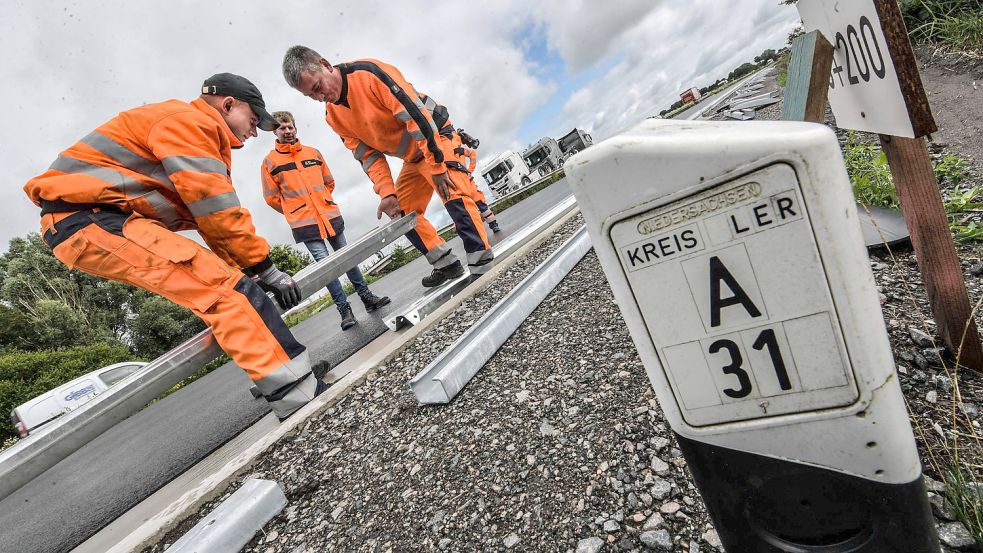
x=698, y=208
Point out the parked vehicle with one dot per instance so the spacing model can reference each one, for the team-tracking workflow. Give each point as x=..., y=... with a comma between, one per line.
x=506, y=173
x=573, y=142
x=544, y=156
x=50, y=405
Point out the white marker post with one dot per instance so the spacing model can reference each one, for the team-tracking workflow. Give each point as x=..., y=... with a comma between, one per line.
x=735, y=253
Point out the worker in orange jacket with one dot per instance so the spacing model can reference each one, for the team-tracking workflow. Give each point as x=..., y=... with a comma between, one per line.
x=469, y=154
x=465, y=150
x=376, y=112
x=298, y=184
x=112, y=202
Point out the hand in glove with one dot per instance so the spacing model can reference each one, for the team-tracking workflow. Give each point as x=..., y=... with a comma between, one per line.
x=284, y=289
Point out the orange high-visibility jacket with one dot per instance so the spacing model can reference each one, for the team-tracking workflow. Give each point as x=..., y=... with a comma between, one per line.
x=298, y=184
x=379, y=114
x=168, y=161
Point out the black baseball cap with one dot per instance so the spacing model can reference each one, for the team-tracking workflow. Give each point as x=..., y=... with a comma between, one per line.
x=240, y=88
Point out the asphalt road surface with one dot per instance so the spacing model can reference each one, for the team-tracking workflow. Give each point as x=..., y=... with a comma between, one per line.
x=77, y=497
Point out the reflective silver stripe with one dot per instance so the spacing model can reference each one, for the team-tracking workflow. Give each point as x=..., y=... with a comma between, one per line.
x=165, y=209
x=420, y=105
x=287, y=373
x=303, y=222
x=403, y=116
x=128, y=186
x=360, y=150
x=430, y=104
x=405, y=142
x=479, y=262
x=295, y=193
x=373, y=157
x=173, y=164
x=299, y=396
x=417, y=135
x=440, y=256
x=213, y=204
x=319, y=187
x=127, y=158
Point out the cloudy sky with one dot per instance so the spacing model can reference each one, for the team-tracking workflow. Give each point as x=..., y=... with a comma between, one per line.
x=508, y=75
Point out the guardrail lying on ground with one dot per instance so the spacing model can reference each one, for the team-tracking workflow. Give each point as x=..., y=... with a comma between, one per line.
x=35, y=454
x=447, y=375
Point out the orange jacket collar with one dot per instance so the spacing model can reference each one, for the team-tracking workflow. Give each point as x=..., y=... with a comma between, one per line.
x=288, y=148
x=214, y=114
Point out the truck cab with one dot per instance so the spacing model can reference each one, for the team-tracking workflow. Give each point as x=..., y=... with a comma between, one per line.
x=544, y=156
x=506, y=173
x=573, y=142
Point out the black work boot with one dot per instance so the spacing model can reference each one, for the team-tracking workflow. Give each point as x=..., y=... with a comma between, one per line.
x=442, y=275
x=494, y=226
x=347, y=317
x=373, y=302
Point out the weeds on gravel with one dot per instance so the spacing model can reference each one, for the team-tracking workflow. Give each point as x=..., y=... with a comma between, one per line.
x=873, y=185
x=869, y=173
x=954, y=457
x=954, y=24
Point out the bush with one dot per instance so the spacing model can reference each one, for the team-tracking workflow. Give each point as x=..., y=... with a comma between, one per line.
x=288, y=259
x=27, y=374
x=160, y=325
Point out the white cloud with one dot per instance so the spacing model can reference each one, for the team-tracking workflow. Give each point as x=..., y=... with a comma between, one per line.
x=70, y=66
x=678, y=45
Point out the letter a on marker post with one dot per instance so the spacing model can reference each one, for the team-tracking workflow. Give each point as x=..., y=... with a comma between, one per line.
x=718, y=274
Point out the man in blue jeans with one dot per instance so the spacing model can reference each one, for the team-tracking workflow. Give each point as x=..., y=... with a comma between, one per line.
x=298, y=184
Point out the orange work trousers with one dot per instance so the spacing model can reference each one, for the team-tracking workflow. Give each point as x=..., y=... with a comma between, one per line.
x=415, y=188
x=143, y=252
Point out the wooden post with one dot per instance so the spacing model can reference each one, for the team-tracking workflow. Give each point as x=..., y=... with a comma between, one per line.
x=914, y=178
x=921, y=202
x=808, y=74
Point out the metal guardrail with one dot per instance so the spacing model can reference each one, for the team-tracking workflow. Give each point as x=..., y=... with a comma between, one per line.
x=233, y=524
x=40, y=451
x=437, y=296
x=447, y=375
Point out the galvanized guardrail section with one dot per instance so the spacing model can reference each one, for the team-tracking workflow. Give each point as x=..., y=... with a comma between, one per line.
x=35, y=454
x=447, y=375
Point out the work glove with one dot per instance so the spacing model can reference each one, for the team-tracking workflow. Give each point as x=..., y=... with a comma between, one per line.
x=284, y=289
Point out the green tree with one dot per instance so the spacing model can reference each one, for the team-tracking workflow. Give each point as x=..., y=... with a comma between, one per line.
x=160, y=325
x=765, y=56
x=47, y=292
x=289, y=260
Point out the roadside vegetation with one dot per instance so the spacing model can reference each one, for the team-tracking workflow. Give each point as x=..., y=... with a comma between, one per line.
x=873, y=185
x=57, y=324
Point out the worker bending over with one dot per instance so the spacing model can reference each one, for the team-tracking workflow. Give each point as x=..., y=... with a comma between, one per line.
x=377, y=113
x=112, y=203
x=298, y=184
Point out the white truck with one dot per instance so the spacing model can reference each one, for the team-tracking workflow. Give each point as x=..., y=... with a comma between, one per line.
x=545, y=156
x=506, y=173
x=573, y=142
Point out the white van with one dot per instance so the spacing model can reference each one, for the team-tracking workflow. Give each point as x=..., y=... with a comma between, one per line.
x=507, y=173
x=50, y=405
